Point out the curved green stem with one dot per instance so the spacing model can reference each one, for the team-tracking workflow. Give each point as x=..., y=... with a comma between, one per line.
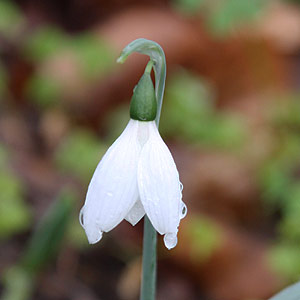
x=157, y=55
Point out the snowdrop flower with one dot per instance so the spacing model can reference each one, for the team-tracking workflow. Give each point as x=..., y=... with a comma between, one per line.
x=137, y=175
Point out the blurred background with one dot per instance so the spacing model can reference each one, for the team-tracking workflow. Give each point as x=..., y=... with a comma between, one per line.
x=231, y=118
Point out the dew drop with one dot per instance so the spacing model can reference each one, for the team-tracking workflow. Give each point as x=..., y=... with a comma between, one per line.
x=183, y=210
x=181, y=186
x=109, y=194
x=81, y=216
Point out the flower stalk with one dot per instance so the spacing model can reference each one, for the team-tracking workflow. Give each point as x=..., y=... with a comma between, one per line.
x=158, y=61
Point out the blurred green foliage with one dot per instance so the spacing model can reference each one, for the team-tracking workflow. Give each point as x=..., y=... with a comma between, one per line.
x=19, y=280
x=223, y=16
x=229, y=14
x=289, y=227
x=115, y=122
x=189, y=6
x=275, y=182
x=15, y=215
x=4, y=156
x=79, y=154
x=284, y=259
x=49, y=234
x=45, y=43
x=278, y=174
x=11, y=19
x=76, y=234
x=279, y=181
x=294, y=1
x=89, y=57
x=204, y=236
x=189, y=113
x=3, y=81
x=18, y=284
x=94, y=55
x=45, y=91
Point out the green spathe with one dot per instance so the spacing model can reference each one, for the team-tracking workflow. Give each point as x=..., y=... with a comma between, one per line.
x=143, y=106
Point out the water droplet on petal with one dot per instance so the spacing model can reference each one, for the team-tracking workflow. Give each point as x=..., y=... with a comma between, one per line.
x=97, y=238
x=183, y=210
x=181, y=186
x=81, y=217
x=109, y=194
x=170, y=240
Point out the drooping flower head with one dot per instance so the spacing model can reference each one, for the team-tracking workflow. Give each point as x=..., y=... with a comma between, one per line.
x=137, y=175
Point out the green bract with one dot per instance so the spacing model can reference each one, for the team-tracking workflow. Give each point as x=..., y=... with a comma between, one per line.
x=143, y=106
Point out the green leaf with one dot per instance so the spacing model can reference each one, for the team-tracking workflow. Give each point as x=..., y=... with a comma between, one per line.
x=48, y=236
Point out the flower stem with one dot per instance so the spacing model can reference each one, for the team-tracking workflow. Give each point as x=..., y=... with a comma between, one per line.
x=149, y=66
x=157, y=57
x=149, y=262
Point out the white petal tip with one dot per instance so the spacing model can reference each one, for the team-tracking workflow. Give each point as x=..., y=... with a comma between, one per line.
x=170, y=240
x=95, y=237
x=136, y=213
x=132, y=222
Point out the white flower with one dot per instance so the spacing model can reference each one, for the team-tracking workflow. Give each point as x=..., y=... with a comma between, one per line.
x=136, y=175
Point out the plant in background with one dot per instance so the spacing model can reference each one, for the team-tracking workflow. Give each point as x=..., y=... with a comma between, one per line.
x=189, y=99
x=279, y=181
x=137, y=175
x=19, y=280
x=15, y=214
x=79, y=143
x=223, y=16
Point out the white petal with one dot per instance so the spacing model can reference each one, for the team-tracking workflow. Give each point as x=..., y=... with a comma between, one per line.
x=136, y=213
x=160, y=188
x=170, y=240
x=113, y=189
